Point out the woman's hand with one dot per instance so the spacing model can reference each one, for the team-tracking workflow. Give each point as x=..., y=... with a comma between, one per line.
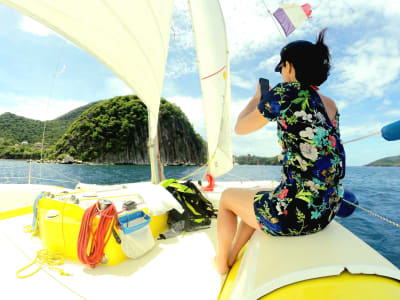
x=257, y=95
x=258, y=92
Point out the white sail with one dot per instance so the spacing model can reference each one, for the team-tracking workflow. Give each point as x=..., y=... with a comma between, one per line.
x=213, y=58
x=130, y=37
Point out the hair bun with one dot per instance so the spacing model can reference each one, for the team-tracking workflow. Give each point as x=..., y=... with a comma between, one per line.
x=322, y=63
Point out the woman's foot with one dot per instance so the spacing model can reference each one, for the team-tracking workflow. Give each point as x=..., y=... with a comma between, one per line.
x=220, y=265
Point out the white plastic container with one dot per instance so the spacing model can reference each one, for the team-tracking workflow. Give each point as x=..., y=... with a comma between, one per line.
x=136, y=236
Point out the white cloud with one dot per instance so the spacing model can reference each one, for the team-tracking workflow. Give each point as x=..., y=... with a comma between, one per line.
x=370, y=65
x=29, y=25
x=263, y=142
x=341, y=105
x=38, y=108
x=117, y=87
x=387, y=102
x=59, y=73
x=177, y=67
x=194, y=111
x=393, y=113
x=340, y=14
x=249, y=30
x=350, y=131
x=240, y=81
x=269, y=63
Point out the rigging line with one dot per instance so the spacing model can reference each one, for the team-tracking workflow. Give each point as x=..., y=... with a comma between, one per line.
x=54, y=170
x=51, y=179
x=273, y=19
x=374, y=214
x=44, y=270
x=362, y=137
x=48, y=104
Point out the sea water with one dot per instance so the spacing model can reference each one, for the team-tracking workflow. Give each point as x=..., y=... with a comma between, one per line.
x=377, y=189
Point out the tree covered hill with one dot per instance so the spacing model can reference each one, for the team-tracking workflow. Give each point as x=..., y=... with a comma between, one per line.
x=256, y=160
x=116, y=131
x=391, y=161
x=17, y=129
x=107, y=131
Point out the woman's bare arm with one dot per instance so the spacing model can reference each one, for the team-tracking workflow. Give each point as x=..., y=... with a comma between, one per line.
x=250, y=119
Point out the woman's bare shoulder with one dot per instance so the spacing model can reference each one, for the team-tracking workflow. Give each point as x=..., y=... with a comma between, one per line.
x=330, y=106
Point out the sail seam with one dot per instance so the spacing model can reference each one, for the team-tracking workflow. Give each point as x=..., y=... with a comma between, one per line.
x=211, y=75
x=133, y=38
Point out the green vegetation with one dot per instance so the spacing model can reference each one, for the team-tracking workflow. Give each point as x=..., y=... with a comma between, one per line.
x=16, y=131
x=116, y=131
x=8, y=149
x=392, y=161
x=256, y=160
x=19, y=129
x=107, y=131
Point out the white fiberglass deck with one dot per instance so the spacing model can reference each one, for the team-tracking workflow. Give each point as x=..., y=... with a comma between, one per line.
x=177, y=268
x=181, y=267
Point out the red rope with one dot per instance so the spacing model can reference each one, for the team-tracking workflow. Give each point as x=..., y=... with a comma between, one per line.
x=96, y=240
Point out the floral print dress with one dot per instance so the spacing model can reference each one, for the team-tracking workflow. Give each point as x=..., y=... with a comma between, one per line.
x=310, y=191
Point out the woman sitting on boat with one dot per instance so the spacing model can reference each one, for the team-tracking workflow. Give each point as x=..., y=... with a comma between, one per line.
x=310, y=192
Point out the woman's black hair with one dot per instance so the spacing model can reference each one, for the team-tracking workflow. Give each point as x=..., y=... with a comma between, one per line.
x=311, y=61
x=322, y=60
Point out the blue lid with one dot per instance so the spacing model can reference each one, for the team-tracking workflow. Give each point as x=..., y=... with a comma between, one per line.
x=125, y=219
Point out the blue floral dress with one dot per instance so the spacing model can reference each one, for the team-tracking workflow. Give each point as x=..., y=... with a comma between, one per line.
x=310, y=191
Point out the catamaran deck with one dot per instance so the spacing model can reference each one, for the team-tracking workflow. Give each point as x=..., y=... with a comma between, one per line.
x=181, y=267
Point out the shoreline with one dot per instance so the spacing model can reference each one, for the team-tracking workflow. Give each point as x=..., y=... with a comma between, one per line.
x=75, y=162
x=78, y=162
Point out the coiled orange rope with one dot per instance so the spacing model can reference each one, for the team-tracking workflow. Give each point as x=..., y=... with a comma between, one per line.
x=95, y=239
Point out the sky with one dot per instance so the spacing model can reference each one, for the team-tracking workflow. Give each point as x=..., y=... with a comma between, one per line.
x=43, y=75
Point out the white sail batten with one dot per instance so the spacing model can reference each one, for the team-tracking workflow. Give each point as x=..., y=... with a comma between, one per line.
x=213, y=60
x=130, y=37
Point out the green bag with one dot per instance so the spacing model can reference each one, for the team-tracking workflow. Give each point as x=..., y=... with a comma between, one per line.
x=198, y=211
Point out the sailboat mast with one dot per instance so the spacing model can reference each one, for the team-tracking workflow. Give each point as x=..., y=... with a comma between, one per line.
x=154, y=153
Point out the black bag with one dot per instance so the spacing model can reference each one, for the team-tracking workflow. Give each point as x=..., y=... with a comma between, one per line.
x=198, y=211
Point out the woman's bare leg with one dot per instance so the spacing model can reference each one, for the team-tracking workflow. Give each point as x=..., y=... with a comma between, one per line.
x=234, y=203
x=243, y=234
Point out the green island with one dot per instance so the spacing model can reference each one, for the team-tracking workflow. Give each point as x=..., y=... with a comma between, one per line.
x=112, y=131
x=391, y=161
x=250, y=159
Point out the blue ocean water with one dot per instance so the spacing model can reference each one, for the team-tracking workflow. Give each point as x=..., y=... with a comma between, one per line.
x=377, y=189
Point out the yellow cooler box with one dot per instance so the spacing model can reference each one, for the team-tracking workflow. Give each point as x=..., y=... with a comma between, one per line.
x=60, y=221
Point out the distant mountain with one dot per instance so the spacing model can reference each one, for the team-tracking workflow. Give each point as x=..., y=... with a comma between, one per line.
x=112, y=131
x=74, y=114
x=256, y=160
x=19, y=129
x=392, y=161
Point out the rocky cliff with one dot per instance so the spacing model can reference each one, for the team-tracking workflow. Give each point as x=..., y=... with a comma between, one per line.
x=115, y=131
